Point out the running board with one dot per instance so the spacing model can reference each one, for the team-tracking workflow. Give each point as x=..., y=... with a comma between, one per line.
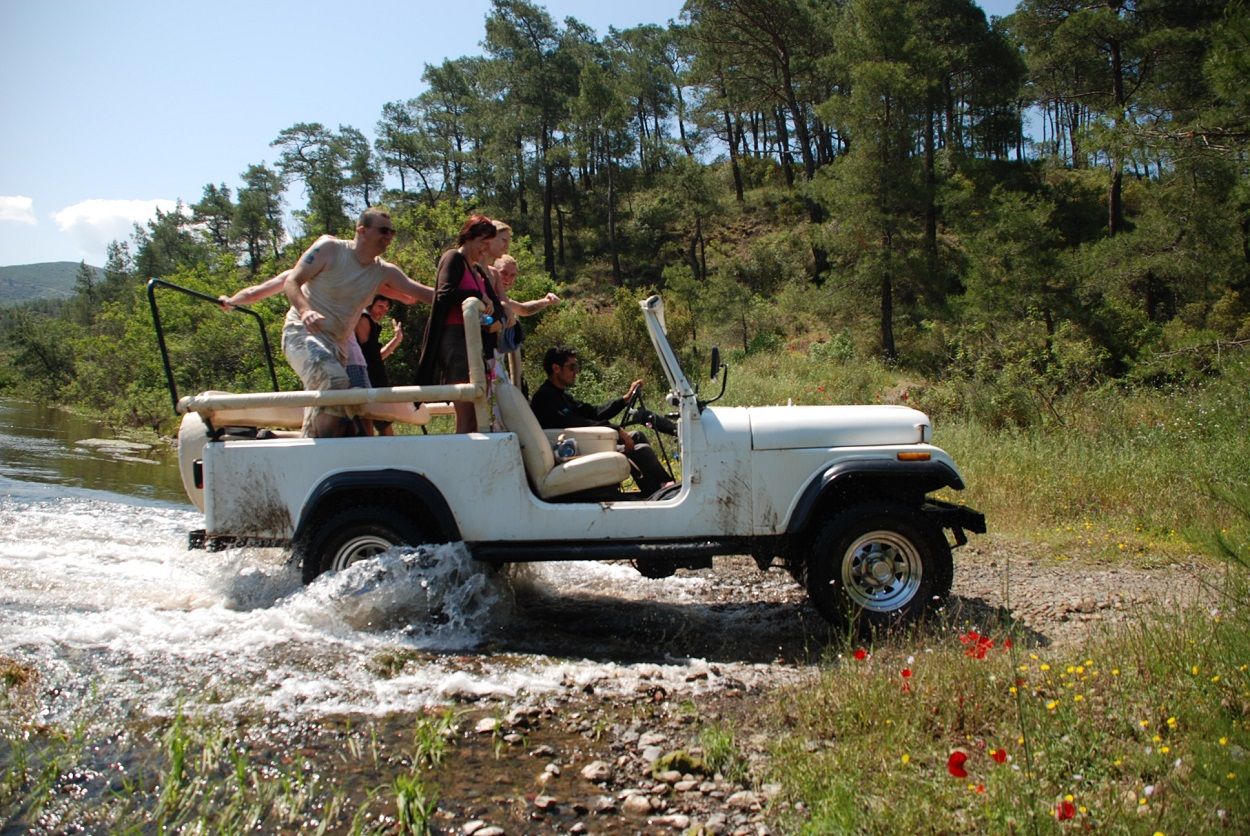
x=680, y=552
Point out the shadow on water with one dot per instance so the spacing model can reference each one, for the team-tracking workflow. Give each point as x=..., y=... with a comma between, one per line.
x=607, y=629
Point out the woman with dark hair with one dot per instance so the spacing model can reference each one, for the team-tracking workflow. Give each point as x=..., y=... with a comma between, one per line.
x=443, y=356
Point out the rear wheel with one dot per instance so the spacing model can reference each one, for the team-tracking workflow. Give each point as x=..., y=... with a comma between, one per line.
x=353, y=534
x=878, y=564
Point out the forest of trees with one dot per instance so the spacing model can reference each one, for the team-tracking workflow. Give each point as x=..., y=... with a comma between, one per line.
x=1057, y=199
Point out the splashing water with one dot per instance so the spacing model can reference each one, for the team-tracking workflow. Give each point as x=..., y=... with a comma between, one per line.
x=101, y=598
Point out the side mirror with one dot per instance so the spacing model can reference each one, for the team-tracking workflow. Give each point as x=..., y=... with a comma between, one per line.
x=717, y=368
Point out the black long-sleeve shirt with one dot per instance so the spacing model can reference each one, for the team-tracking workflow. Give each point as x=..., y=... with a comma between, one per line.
x=556, y=409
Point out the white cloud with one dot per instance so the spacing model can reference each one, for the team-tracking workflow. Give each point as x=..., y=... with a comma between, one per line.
x=18, y=209
x=93, y=224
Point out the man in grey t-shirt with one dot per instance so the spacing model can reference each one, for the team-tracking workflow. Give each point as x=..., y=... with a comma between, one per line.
x=328, y=287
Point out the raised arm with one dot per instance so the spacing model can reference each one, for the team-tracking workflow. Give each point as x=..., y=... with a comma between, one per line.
x=394, y=341
x=533, y=306
x=398, y=286
x=256, y=292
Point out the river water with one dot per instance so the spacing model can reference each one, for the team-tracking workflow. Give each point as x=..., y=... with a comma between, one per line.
x=101, y=598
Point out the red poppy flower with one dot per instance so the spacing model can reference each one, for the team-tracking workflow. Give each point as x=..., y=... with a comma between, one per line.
x=1065, y=810
x=978, y=645
x=860, y=654
x=955, y=763
x=905, y=673
x=999, y=755
x=979, y=788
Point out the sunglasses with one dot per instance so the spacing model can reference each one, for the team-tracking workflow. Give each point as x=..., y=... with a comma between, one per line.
x=386, y=230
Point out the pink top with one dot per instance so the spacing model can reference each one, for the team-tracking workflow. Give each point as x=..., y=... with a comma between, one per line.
x=469, y=281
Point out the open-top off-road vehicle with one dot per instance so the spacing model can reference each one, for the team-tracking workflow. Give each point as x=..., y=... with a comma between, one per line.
x=838, y=495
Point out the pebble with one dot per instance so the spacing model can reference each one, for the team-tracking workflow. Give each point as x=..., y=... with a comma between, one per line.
x=544, y=802
x=597, y=772
x=487, y=725
x=636, y=806
x=744, y=800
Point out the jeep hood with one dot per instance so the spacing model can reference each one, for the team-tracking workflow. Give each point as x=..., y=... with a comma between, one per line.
x=793, y=427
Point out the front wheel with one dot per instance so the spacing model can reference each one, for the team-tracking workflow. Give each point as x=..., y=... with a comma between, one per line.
x=354, y=534
x=878, y=564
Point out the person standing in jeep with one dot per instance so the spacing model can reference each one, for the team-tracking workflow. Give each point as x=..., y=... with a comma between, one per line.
x=327, y=289
x=556, y=409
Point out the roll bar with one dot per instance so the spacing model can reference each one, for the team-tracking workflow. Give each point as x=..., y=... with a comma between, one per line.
x=153, y=284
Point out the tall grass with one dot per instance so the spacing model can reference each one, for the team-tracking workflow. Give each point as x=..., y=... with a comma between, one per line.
x=1134, y=467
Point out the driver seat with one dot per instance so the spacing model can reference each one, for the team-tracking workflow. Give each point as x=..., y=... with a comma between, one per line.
x=548, y=478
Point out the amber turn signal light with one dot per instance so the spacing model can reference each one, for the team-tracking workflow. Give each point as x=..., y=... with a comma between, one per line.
x=914, y=457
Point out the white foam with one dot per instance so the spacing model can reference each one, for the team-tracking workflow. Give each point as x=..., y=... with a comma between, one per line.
x=104, y=598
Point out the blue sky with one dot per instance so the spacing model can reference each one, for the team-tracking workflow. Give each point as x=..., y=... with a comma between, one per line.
x=112, y=107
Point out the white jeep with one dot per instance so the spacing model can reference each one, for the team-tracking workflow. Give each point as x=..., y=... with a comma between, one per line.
x=838, y=495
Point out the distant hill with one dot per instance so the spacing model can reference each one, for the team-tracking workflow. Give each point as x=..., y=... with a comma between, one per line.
x=48, y=280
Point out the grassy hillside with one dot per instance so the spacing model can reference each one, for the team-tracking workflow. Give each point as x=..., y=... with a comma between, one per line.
x=49, y=280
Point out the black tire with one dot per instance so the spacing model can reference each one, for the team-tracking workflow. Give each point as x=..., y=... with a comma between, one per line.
x=356, y=533
x=878, y=565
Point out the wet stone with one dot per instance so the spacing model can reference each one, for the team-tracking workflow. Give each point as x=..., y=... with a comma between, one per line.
x=487, y=725
x=604, y=804
x=651, y=739
x=597, y=772
x=636, y=806
x=677, y=821
x=545, y=802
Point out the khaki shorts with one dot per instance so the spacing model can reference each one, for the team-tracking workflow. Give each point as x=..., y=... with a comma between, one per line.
x=317, y=362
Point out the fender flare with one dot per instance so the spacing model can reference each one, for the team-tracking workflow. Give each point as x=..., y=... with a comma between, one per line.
x=381, y=484
x=915, y=479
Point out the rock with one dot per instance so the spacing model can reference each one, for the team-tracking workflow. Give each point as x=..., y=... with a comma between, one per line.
x=652, y=753
x=487, y=725
x=543, y=751
x=545, y=802
x=682, y=762
x=604, y=804
x=491, y=830
x=686, y=786
x=677, y=821
x=671, y=776
x=743, y=800
x=472, y=827
x=636, y=806
x=597, y=772
x=651, y=739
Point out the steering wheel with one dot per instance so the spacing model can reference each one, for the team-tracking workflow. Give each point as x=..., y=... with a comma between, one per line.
x=632, y=407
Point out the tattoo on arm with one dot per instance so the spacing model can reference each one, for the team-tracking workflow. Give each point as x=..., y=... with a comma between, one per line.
x=311, y=255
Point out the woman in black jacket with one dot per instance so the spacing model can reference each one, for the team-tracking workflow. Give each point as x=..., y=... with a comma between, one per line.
x=443, y=356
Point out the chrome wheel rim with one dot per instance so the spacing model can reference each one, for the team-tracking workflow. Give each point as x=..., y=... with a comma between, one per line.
x=361, y=547
x=881, y=571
